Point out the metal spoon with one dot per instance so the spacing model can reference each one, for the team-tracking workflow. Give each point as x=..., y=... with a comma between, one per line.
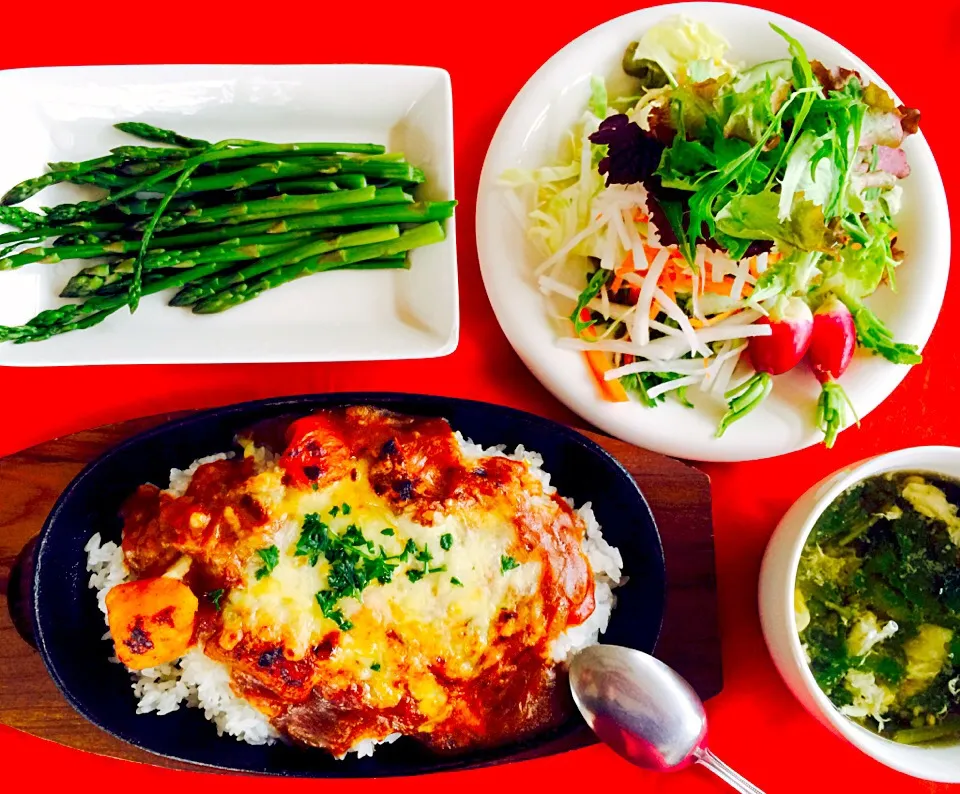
x=645, y=712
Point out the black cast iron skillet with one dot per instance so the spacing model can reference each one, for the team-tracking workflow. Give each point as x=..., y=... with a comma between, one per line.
x=68, y=626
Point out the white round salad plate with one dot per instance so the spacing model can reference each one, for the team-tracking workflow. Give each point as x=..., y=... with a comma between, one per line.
x=529, y=136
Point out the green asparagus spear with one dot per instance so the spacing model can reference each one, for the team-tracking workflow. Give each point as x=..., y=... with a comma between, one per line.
x=197, y=290
x=285, y=206
x=235, y=180
x=44, y=232
x=93, y=311
x=362, y=216
x=136, y=283
x=91, y=279
x=63, y=171
x=241, y=292
x=20, y=218
x=74, y=316
x=159, y=135
x=218, y=152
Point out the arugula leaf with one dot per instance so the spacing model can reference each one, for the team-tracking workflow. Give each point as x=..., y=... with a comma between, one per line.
x=756, y=108
x=674, y=212
x=703, y=204
x=805, y=84
x=597, y=281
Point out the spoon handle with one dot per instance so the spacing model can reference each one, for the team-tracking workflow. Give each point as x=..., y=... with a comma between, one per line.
x=725, y=773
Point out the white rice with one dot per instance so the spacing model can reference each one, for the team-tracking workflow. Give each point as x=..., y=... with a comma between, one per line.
x=200, y=682
x=605, y=560
x=180, y=478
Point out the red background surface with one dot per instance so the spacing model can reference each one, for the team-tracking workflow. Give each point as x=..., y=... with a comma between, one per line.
x=490, y=51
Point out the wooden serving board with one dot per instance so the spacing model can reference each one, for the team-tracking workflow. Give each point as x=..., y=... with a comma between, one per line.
x=31, y=481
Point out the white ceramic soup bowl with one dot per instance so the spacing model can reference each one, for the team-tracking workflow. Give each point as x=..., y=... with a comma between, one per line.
x=777, y=582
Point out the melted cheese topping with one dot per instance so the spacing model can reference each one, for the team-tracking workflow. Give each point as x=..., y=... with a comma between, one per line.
x=401, y=630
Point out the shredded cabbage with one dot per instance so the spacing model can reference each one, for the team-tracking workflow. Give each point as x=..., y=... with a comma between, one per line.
x=686, y=50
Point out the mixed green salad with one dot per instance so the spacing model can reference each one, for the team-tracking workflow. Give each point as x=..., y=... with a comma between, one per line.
x=720, y=224
x=878, y=606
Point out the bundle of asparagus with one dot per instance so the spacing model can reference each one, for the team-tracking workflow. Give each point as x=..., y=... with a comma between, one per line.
x=222, y=222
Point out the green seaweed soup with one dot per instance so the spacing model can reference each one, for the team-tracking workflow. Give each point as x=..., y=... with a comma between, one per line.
x=878, y=606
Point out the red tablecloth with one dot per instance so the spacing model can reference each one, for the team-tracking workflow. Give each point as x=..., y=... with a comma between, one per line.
x=490, y=51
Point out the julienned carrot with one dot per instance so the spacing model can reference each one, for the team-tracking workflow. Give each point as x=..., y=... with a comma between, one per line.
x=715, y=319
x=626, y=266
x=599, y=364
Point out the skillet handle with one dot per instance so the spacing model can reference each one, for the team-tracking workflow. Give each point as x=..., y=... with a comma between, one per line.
x=20, y=592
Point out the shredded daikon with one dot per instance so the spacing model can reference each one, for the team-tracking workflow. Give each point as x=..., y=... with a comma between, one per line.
x=743, y=268
x=662, y=388
x=609, y=346
x=609, y=255
x=641, y=323
x=617, y=224
x=550, y=285
x=681, y=366
x=725, y=373
x=564, y=251
x=676, y=314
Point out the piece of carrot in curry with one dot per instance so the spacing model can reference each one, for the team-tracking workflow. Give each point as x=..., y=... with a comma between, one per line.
x=151, y=621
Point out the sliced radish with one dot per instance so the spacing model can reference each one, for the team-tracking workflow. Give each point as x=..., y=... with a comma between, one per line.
x=832, y=346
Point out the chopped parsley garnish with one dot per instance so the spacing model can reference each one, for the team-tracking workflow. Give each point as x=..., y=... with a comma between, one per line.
x=375, y=667
x=508, y=563
x=314, y=539
x=424, y=554
x=327, y=600
x=409, y=549
x=355, y=562
x=215, y=596
x=446, y=541
x=315, y=486
x=335, y=511
x=455, y=581
x=271, y=558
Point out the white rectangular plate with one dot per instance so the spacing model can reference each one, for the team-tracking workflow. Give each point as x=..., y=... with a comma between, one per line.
x=68, y=113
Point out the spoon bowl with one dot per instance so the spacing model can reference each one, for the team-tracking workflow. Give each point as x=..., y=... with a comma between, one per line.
x=645, y=712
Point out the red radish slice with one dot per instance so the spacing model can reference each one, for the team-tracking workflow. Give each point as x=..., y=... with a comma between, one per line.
x=831, y=349
x=791, y=325
x=834, y=340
